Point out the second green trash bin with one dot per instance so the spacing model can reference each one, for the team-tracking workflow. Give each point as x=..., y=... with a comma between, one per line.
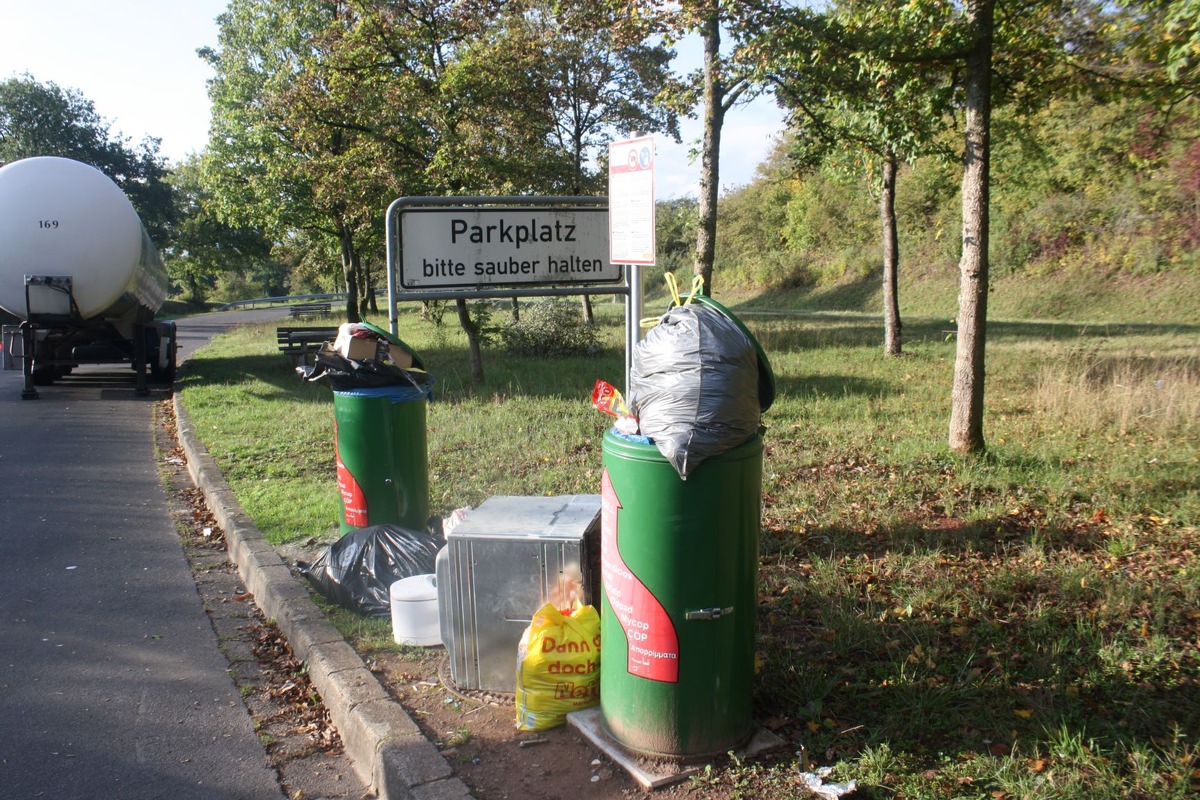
x=679, y=562
x=382, y=458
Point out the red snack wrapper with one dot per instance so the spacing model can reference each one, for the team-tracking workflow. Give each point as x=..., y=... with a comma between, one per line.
x=606, y=398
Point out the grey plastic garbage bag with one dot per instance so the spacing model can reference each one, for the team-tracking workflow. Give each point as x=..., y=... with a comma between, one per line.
x=694, y=386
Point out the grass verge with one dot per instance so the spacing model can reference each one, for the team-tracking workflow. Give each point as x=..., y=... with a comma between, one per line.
x=1024, y=623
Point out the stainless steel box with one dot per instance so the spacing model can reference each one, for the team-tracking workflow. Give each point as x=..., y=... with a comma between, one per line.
x=502, y=563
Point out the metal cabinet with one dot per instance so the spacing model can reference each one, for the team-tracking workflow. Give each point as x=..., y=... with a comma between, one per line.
x=502, y=563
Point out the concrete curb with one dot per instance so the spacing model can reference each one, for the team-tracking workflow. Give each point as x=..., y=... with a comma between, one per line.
x=386, y=746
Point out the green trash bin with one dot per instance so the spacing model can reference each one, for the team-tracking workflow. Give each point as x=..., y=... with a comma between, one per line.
x=382, y=458
x=679, y=566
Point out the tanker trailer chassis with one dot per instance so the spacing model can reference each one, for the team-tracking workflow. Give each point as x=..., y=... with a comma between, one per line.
x=54, y=339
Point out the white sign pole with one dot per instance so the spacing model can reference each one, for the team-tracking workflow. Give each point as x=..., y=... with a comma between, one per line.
x=631, y=226
x=633, y=318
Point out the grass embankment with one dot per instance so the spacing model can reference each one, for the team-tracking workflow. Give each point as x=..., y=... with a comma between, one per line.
x=1021, y=624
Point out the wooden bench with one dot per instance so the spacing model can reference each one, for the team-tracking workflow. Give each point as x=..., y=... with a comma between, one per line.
x=299, y=343
x=309, y=309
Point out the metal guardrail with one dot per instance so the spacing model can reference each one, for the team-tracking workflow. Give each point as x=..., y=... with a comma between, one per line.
x=271, y=301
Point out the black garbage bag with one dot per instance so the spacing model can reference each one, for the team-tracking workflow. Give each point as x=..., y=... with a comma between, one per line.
x=358, y=570
x=694, y=386
x=343, y=373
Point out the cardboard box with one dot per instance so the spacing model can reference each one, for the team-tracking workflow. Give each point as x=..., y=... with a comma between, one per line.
x=401, y=357
x=359, y=348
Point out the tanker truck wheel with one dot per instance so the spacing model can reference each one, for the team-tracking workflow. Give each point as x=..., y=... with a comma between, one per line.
x=163, y=337
x=162, y=374
x=43, y=375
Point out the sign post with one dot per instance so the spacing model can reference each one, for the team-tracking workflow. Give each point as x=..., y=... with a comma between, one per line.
x=631, y=225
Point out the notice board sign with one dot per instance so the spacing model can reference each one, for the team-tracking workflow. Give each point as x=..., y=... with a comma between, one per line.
x=631, y=201
x=480, y=247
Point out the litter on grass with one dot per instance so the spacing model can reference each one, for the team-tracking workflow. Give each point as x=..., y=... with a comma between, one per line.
x=814, y=782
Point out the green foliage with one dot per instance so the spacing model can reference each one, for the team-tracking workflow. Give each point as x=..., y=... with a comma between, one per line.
x=203, y=247
x=675, y=233
x=325, y=113
x=596, y=87
x=1101, y=187
x=1183, y=38
x=231, y=286
x=252, y=163
x=1086, y=186
x=866, y=77
x=44, y=119
x=831, y=219
x=550, y=328
x=752, y=248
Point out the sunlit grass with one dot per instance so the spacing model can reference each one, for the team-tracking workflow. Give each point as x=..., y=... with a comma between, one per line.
x=1020, y=623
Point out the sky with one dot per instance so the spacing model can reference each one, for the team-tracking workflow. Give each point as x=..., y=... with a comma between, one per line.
x=136, y=61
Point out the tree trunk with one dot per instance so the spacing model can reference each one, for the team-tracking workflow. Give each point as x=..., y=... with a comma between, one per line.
x=364, y=283
x=195, y=290
x=710, y=152
x=966, y=402
x=891, y=257
x=589, y=316
x=368, y=290
x=472, y=330
x=349, y=272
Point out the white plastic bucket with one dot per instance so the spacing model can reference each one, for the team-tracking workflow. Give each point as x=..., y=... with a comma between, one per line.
x=415, y=611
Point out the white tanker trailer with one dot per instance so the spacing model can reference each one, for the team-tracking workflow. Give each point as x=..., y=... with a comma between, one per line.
x=77, y=266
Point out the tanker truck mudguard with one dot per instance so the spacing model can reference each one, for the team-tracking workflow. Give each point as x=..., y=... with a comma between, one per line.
x=79, y=271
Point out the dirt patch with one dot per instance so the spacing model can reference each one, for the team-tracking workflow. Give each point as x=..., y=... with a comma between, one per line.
x=478, y=736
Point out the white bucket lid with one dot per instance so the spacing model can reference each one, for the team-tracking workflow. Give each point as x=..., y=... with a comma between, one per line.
x=417, y=589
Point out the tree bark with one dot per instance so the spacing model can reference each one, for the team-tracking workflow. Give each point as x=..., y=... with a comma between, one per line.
x=966, y=402
x=470, y=327
x=362, y=270
x=368, y=290
x=891, y=257
x=349, y=271
x=710, y=152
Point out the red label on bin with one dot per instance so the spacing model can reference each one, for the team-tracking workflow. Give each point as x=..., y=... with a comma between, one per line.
x=354, y=502
x=653, y=645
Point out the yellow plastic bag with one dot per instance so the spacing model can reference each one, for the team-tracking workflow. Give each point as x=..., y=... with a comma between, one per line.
x=558, y=666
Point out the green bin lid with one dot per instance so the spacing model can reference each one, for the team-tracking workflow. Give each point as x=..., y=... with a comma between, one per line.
x=766, y=377
x=392, y=339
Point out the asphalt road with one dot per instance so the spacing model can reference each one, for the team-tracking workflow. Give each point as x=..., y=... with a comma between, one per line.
x=112, y=683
